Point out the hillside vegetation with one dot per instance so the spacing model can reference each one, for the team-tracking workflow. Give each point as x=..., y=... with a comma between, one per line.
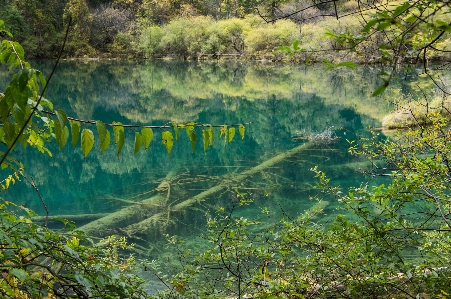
x=183, y=29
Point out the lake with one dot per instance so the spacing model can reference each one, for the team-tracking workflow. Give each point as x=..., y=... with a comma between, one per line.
x=287, y=105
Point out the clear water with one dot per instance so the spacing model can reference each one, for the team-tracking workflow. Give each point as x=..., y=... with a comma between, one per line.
x=282, y=102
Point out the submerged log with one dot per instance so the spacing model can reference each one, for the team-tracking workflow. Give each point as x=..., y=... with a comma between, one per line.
x=147, y=212
x=75, y=218
x=148, y=223
x=134, y=213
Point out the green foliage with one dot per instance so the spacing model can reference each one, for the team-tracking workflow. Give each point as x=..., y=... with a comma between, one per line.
x=390, y=240
x=77, y=12
x=267, y=38
x=40, y=263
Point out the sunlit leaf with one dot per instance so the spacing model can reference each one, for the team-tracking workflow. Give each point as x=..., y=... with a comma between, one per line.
x=222, y=131
x=64, y=136
x=87, y=141
x=104, y=136
x=138, y=142
x=384, y=25
x=147, y=135
x=75, y=130
x=370, y=24
x=62, y=118
x=401, y=9
x=211, y=134
x=168, y=140
x=348, y=64
x=118, y=137
x=241, y=129
x=230, y=134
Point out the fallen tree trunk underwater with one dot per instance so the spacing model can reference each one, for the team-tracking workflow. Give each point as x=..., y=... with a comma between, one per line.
x=138, y=218
x=146, y=213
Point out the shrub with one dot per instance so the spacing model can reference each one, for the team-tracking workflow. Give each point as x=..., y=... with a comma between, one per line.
x=150, y=41
x=267, y=38
x=226, y=36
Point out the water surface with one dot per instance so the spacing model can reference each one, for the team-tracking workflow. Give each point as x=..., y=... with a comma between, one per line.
x=284, y=103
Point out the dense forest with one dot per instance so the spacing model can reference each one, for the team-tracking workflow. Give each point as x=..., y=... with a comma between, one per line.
x=178, y=28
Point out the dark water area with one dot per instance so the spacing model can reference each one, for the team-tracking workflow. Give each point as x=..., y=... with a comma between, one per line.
x=286, y=104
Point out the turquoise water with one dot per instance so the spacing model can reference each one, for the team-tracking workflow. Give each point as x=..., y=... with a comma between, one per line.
x=285, y=104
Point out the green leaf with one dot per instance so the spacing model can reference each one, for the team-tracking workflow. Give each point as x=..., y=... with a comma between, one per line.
x=411, y=19
x=241, y=129
x=147, y=135
x=329, y=34
x=212, y=134
x=118, y=137
x=176, y=130
x=19, y=273
x=370, y=24
x=64, y=137
x=206, y=139
x=348, y=64
x=222, y=131
x=138, y=142
x=87, y=141
x=230, y=134
x=384, y=25
x=168, y=140
x=10, y=132
x=401, y=9
x=75, y=129
x=62, y=118
x=296, y=45
x=192, y=136
x=104, y=136
x=380, y=89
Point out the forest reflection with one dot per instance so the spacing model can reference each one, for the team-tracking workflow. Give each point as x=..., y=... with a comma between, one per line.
x=281, y=101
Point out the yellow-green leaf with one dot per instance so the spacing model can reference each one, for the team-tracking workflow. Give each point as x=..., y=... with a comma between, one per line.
x=168, y=140
x=104, y=136
x=230, y=134
x=212, y=135
x=241, y=129
x=176, y=130
x=118, y=137
x=147, y=136
x=87, y=141
x=206, y=139
x=192, y=136
x=222, y=131
x=138, y=142
x=75, y=129
x=380, y=89
x=62, y=118
x=64, y=137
